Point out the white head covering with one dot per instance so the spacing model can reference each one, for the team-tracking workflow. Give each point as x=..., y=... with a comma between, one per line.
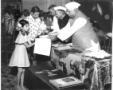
x=72, y=5
x=59, y=8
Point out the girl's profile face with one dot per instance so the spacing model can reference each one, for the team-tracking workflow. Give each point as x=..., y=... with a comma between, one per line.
x=26, y=27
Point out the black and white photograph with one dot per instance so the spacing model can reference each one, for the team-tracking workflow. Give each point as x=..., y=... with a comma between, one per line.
x=56, y=44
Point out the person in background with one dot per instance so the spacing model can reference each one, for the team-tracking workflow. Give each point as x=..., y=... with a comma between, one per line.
x=62, y=20
x=62, y=16
x=24, y=14
x=51, y=13
x=35, y=23
x=19, y=56
x=36, y=28
x=9, y=21
x=61, y=24
x=47, y=18
x=54, y=18
x=46, y=21
x=17, y=11
x=51, y=10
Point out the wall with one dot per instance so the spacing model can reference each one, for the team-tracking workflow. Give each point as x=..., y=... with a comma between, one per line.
x=43, y=4
x=104, y=20
x=14, y=3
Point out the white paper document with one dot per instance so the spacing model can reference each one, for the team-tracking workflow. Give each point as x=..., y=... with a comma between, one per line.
x=42, y=46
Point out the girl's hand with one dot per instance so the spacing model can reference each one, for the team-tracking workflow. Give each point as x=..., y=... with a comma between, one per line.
x=28, y=45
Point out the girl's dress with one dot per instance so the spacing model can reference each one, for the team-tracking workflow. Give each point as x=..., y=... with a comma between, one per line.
x=19, y=57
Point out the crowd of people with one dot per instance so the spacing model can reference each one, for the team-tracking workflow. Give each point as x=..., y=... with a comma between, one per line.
x=62, y=24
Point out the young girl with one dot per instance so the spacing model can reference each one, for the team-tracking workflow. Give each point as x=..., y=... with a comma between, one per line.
x=20, y=57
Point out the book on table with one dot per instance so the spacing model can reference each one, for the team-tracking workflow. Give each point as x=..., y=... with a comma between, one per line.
x=65, y=82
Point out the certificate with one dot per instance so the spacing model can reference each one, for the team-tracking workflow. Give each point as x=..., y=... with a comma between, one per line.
x=42, y=46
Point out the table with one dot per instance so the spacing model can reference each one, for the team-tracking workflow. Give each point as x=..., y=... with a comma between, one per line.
x=68, y=59
x=41, y=72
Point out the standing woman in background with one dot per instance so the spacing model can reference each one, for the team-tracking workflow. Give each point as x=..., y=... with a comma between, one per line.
x=36, y=26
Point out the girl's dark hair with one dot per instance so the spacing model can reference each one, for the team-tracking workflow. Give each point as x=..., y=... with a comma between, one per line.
x=35, y=9
x=23, y=22
x=25, y=12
